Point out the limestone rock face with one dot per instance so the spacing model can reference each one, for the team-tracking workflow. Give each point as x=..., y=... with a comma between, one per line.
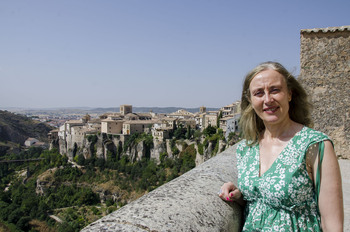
x=88, y=150
x=100, y=151
x=168, y=148
x=200, y=158
x=136, y=152
x=54, y=144
x=158, y=148
x=222, y=146
x=325, y=74
x=103, y=145
x=62, y=146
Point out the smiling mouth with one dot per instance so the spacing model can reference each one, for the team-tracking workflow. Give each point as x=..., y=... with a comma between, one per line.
x=271, y=109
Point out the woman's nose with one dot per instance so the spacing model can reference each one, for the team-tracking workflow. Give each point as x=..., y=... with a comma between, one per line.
x=268, y=98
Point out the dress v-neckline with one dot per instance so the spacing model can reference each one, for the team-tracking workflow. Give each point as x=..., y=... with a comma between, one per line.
x=278, y=156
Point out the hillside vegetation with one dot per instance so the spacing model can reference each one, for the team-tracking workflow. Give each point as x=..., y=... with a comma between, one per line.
x=77, y=194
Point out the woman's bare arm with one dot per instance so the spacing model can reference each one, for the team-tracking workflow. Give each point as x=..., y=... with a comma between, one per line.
x=331, y=194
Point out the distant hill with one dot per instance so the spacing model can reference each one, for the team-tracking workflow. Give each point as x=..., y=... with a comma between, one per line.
x=166, y=110
x=99, y=111
x=15, y=129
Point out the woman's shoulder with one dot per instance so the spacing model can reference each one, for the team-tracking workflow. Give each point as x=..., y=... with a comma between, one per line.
x=243, y=146
x=314, y=135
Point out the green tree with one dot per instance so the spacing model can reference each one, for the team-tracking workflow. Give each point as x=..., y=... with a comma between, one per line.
x=88, y=197
x=100, y=162
x=210, y=130
x=180, y=132
x=175, y=150
x=65, y=227
x=80, y=159
x=149, y=174
x=200, y=149
x=4, y=211
x=92, y=138
x=233, y=138
x=30, y=203
x=130, y=141
x=23, y=223
x=218, y=119
x=75, y=149
x=15, y=216
x=188, y=132
x=34, y=152
x=162, y=157
x=188, y=157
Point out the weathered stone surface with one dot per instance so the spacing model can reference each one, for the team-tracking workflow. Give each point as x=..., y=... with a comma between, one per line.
x=188, y=203
x=325, y=74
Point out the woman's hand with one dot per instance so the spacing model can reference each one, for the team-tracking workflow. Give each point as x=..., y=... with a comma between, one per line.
x=229, y=192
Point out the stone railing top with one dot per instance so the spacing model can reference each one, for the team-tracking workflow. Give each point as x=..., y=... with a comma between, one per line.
x=187, y=203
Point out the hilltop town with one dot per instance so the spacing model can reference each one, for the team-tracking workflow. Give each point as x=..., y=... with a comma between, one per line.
x=72, y=138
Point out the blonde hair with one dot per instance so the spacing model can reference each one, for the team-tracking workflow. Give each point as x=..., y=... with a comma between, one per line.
x=299, y=106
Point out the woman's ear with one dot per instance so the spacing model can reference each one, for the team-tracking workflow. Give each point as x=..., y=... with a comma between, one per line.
x=290, y=96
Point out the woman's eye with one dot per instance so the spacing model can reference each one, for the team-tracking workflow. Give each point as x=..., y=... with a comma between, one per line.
x=258, y=93
x=275, y=90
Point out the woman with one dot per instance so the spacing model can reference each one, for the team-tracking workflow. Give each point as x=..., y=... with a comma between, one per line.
x=278, y=160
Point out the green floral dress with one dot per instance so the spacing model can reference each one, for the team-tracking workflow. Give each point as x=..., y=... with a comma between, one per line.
x=283, y=198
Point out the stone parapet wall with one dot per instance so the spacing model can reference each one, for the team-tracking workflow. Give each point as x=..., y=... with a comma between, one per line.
x=187, y=203
x=325, y=74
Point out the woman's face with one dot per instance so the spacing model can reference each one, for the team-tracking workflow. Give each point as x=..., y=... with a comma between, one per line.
x=270, y=97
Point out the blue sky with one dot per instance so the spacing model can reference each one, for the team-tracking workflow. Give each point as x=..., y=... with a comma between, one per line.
x=181, y=53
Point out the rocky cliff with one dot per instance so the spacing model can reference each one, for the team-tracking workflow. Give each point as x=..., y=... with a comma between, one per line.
x=104, y=146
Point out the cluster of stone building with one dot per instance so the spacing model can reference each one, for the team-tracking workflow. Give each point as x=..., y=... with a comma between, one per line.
x=126, y=122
